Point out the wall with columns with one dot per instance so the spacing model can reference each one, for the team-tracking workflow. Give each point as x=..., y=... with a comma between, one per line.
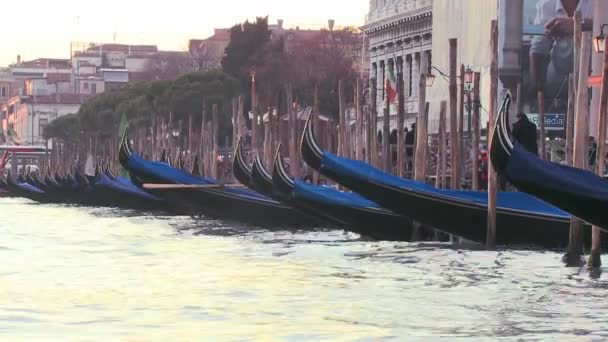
x=397, y=32
x=470, y=22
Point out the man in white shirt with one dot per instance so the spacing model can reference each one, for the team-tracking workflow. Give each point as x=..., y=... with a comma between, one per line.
x=557, y=16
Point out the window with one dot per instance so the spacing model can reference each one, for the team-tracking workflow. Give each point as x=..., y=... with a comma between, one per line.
x=3, y=92
x=86, y=85
x=42, y=123
x=93, y=88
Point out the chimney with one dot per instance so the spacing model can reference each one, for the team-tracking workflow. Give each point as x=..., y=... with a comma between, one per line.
x=18, y=59
x=280, y=24
x=330, y=24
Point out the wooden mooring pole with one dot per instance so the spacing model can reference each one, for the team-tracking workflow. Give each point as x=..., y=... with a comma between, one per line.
x=454, y=139
x=358, y=122
x=386, y=124
x=492, y=176
x=373, y=122
x=254, y=123
x=476, y=131
x=204, y=170
x=541, y=123
x=596, y=243
x=461, y=142
x=441, y=149
x=315, y=125
x=293, y=133
x=422, y=123
x=570, y=120
x=400, y=121
x=214, y=141
x=235, y=122
x=581, y=132
x=342, y=120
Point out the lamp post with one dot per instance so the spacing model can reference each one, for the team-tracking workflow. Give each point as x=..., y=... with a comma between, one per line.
x=598, y=41
x=468, y=81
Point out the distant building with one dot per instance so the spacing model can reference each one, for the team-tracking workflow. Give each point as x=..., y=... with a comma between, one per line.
x=22, y=71
x=207, y=53
x=49, y=84
x=473, y=19
x=114, y=78
x=398, y=33
x=26, y=117
x=6, y=83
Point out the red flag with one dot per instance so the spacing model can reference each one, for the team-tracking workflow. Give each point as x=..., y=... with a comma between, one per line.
x=391, y=94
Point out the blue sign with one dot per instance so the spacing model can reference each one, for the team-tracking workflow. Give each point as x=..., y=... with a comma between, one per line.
x=553, y=121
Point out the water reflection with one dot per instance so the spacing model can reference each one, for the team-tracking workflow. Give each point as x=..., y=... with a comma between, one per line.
x=100, y=274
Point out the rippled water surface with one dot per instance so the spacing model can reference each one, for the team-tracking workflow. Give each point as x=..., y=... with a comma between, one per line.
x=99, y=274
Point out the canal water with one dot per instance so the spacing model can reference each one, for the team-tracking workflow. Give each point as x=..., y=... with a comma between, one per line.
x=82, y=274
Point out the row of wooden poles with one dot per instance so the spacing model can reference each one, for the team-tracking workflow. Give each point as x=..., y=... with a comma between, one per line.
x=338, y=137
x=577, y=131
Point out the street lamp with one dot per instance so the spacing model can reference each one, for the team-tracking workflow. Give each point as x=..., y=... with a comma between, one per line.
x=468, y=77
x=599, y=41
x=430, y=79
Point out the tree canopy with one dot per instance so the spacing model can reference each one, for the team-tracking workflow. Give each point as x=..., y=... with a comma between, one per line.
x=183, y=96
x=302, y=59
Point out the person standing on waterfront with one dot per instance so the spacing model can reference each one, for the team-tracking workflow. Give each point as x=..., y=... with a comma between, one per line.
x=552, y=54
x=524, y=131
x=410, y=139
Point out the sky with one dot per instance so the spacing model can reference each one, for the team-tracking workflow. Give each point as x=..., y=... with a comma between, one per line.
x=45, y=28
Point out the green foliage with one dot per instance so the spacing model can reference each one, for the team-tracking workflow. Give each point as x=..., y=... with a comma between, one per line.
x=141, y=101
x=66, y=127
x=246, y=40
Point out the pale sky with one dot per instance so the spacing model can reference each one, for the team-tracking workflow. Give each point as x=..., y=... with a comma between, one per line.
x=44, y=28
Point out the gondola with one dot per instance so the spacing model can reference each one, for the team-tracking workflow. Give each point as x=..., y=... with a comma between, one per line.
x=22, y=189
x=204, y=196
x=4, y=191
x=350, y=210
x=258, y=179
x=98, y=190
x=122, y=193
x=521, y=219
x=579, y=192
x=240, y=168
x=262, y=180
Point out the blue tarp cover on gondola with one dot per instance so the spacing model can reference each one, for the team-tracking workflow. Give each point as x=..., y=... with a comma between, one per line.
x=510, y=200
x=331, y=196
x=123, y=185
x=525, y=167
x=29, y=187
x=171, y=174
x=164, y=171
x=580, y=192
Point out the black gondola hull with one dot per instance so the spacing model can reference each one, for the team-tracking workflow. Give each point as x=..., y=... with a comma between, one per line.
x=223, y=205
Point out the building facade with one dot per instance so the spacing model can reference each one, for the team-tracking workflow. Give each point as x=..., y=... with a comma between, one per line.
x=398, y=34
x=207, y=53
x=6, y=83
x=26, y=117
x=469, y=22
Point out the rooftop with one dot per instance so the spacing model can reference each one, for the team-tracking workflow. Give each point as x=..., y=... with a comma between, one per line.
x=124, y=48
x=57, y=99
x=57, y=77
x=86, y=54
x=44, y=63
